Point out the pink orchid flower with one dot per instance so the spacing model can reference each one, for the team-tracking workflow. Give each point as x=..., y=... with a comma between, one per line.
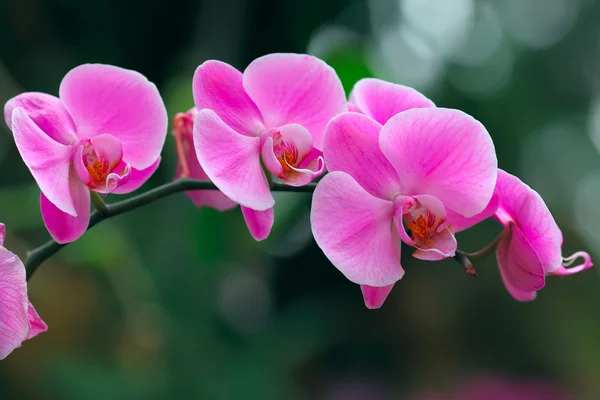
x=420, y=164
x=273, y=116
x=530, y=246
x=18, y=319
x=104, y=133
x=188, y=167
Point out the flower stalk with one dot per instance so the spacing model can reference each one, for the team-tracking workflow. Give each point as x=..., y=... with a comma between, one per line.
x=37, y=256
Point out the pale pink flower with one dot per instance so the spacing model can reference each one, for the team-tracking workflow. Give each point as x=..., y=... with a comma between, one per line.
x=492, y=387
x=18, y=319
x=273, y=115
x=103, y=133
x=530, y=247
x=412, y=170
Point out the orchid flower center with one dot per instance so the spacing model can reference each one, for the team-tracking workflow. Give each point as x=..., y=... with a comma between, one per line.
x=419, y=229
x=288, y=153
x=97, y=166
x=99, y=163
x=425, y=217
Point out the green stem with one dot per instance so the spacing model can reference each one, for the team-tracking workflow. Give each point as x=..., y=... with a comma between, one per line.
x=98, y=202
x=487, y=250
x=40, y=254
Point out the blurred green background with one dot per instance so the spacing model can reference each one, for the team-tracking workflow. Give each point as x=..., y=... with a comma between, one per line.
x=170, y=301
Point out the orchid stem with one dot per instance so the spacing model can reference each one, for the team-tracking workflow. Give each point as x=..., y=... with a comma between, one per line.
x=487, y=250
x=98, y=202
x=40, y=254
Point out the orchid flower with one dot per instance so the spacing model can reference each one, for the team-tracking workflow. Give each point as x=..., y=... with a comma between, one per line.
x=18, y=319
x=407, y=173
x=530, y=245
x=272, y=116
x=103, y=133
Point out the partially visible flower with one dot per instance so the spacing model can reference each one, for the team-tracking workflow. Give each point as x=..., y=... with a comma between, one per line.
x=18, y=319
x=530, y=246
x=104, y=133
x=493, y=387
x=272, y=116
x=188, y=167
x=413, y=170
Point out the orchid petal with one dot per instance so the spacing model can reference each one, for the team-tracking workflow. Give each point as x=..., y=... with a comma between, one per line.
x=382, y=100
x=520, y=267
x=443, y=246
x=14, y=324
x=444, y=153
x=270, y=159
x=103, y=99
x=137, y=178
x=295, y=88
x=354, y=230
x=460, y=223
x=116, y=179
x=218, y=86
x=527, y=209
x=47, y=112
x=259, y=223
x=36, y=324
x=48, y=160
x=2, y=233
x=563, y=271
x=302, y=176
x=374, y=297
x=210, y=198
x=231, y=161
x=352, y=146
x=63, y=227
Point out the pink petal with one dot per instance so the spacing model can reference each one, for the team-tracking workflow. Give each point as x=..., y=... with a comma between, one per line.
x=36, y=324
x=382, y=100
x=352, y=146
x=444, y=153
x=103, y=99
x=137, y=178
x=302, y=176
x=47, y=160
x=47, y=112
x=520, y=267
x=14, y=324
x=295, y=88
x=259, y=222
x=375, y=296
x=211, y=198
x=270, y=159
x=443, y=246
x=354, y=230
x=527, y=209
x=231, y=161
x=218, y=86
x=116, y=179
x=460, y=223
x=109, y=147
x=2, y=233
x=563, y=271
x=63, y=227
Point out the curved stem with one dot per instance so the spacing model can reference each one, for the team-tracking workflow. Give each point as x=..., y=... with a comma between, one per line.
x=40, y=254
